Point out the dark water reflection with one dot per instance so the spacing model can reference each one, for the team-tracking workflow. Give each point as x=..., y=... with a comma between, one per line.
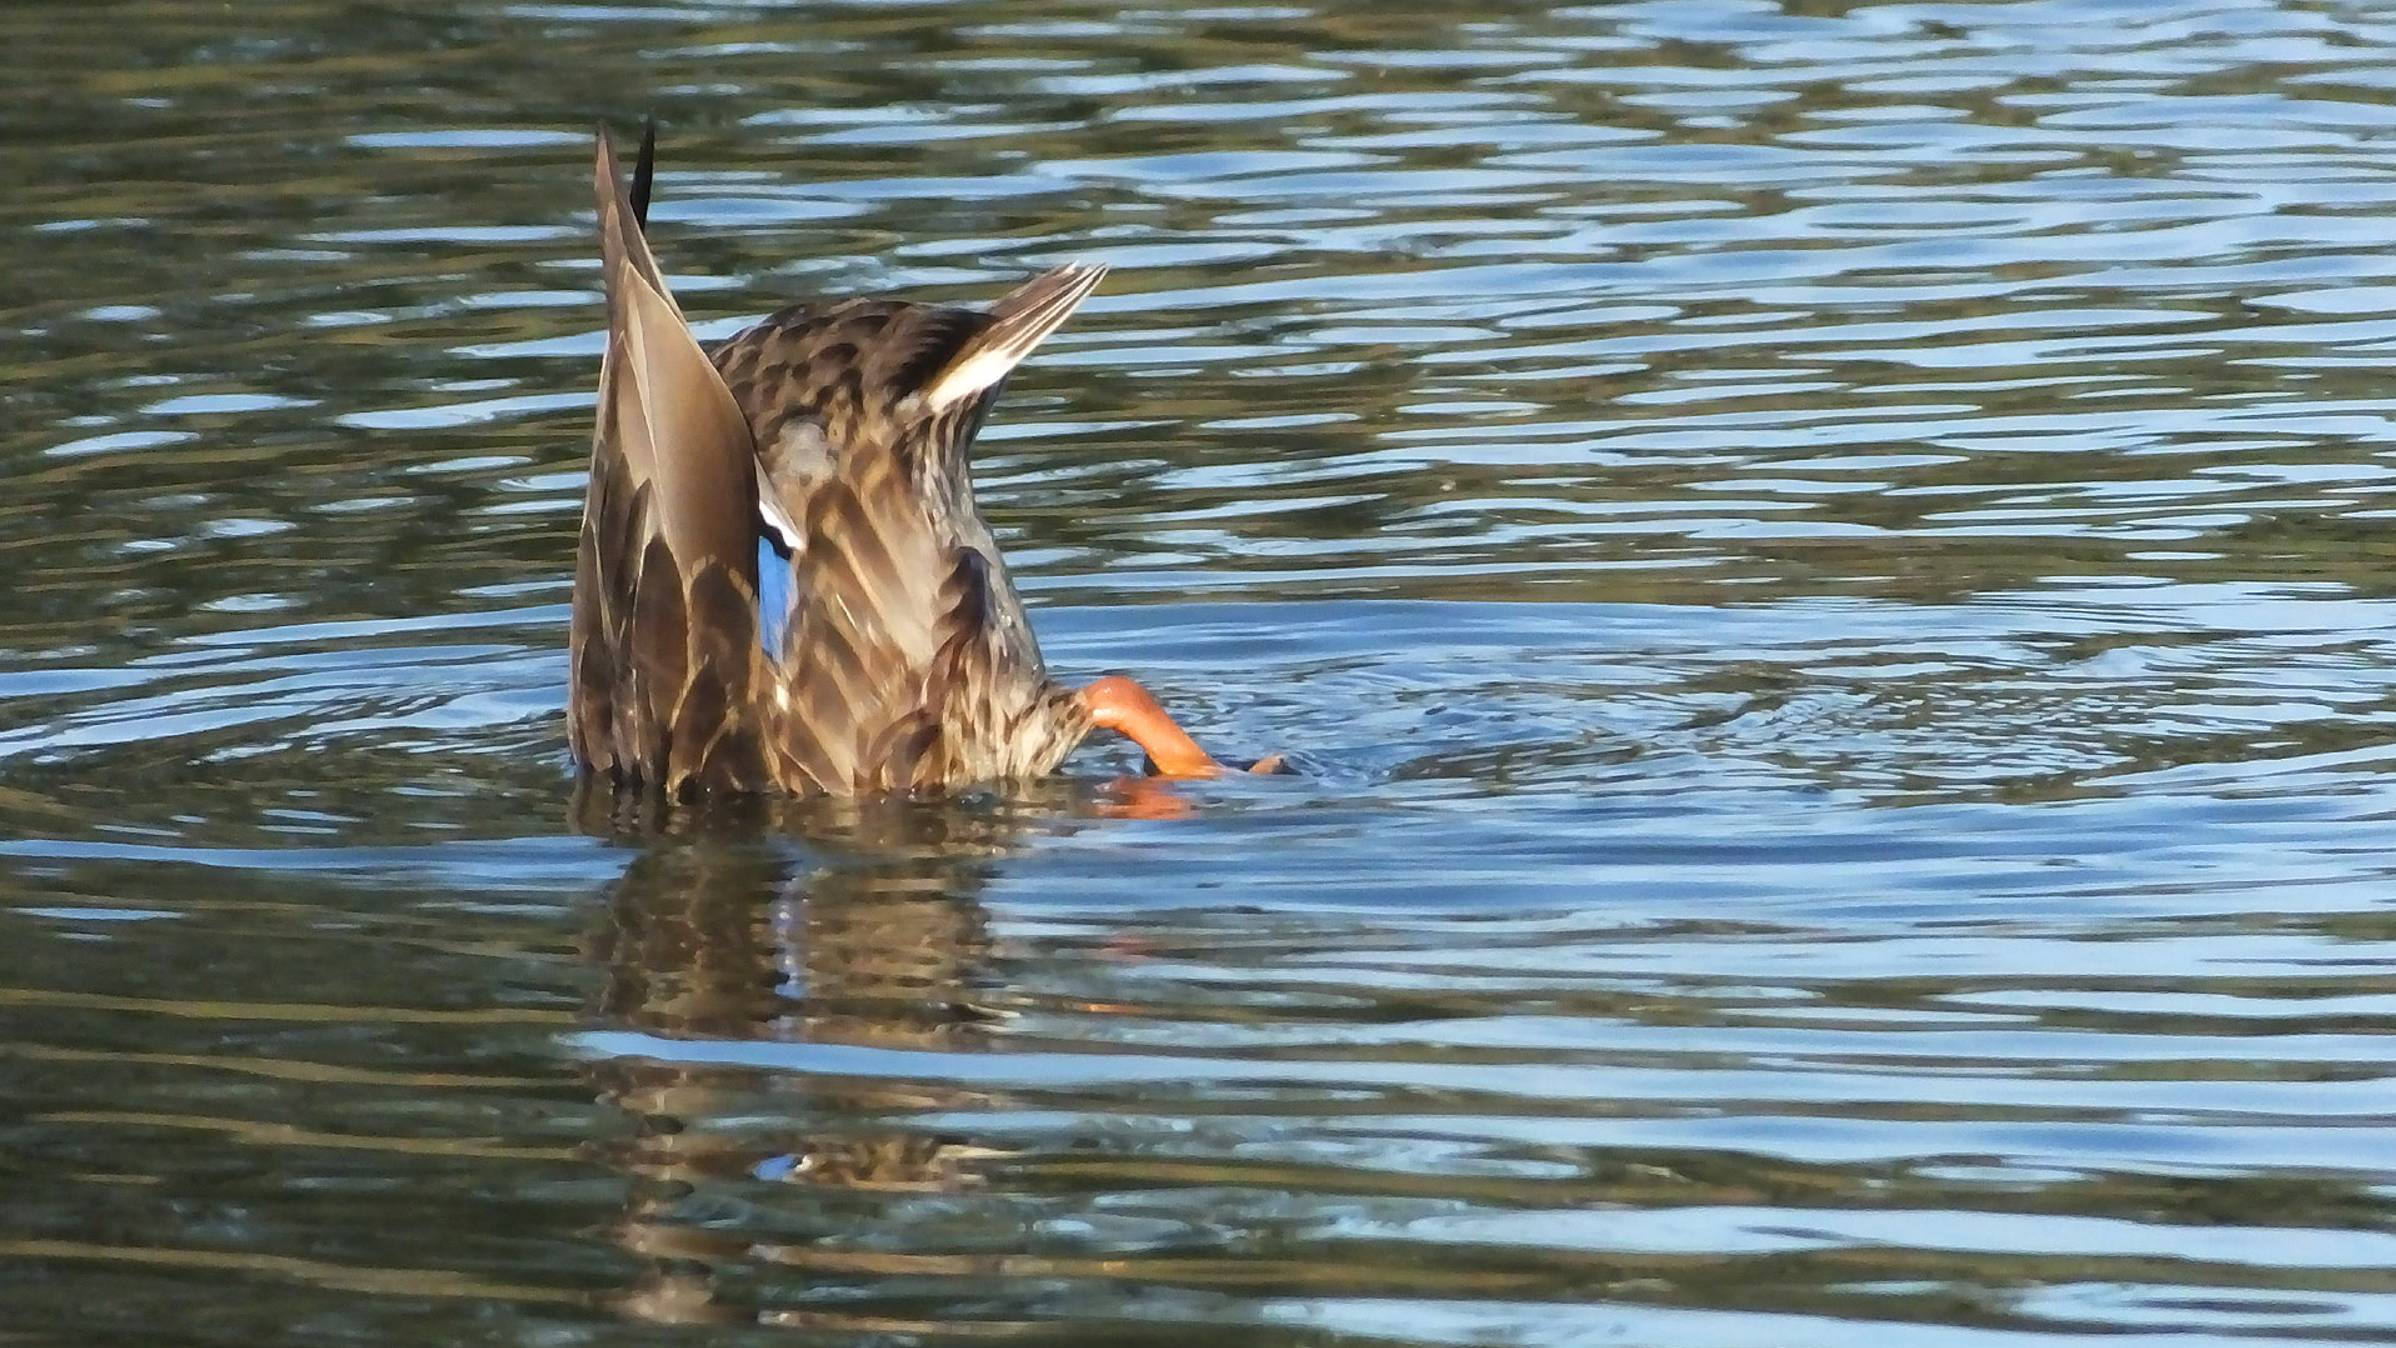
x=878, y=942
x=1826, y=563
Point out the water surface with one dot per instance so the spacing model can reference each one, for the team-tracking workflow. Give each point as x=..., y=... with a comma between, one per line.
x=1826, y=563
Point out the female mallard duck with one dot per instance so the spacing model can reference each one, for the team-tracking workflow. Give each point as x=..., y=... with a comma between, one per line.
x=783, y=582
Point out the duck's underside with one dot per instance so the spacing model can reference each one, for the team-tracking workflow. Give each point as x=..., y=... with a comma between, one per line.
x=783, y=583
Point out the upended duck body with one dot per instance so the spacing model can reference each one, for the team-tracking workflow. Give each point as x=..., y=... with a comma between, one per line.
x=783, y=581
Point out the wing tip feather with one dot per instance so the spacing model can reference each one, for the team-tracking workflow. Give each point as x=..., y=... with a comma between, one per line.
x=1021, y=319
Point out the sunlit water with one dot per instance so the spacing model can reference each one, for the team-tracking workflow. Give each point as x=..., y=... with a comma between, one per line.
x=1826, y=563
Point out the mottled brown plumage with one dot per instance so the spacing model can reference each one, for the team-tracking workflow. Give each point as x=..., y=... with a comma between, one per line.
x=836, y=432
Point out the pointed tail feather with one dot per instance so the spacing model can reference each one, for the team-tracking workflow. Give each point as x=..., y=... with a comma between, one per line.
x=1020, y=321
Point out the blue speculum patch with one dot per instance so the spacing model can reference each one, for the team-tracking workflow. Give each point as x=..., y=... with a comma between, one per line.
x=774, y=594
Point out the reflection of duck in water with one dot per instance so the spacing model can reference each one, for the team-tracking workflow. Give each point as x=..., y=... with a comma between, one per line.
x=784, y=583
x=720, y=935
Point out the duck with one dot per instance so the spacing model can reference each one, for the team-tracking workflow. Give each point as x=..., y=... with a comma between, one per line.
x=783, y=583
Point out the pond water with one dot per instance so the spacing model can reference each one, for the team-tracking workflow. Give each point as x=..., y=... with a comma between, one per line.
x=1827, y=566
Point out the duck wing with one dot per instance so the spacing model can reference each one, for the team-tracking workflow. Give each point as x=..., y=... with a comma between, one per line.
x=664, y=638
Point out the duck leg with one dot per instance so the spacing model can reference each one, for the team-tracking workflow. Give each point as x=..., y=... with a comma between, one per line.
x=1120, y=704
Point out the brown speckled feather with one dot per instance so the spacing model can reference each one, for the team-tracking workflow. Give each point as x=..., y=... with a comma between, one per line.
x=909, y=663
x=906, y=661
